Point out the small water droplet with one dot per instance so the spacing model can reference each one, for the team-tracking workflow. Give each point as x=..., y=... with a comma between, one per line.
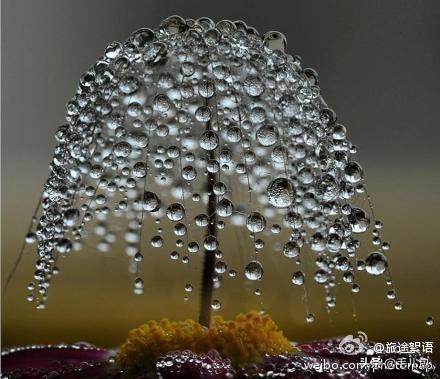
x=310, y=318
x=298, y=278
x=216, y=305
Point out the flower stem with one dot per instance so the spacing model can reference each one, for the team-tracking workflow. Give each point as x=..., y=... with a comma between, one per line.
x=209, y=255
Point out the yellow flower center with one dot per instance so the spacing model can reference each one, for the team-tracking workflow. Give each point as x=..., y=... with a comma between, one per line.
x=243, y=340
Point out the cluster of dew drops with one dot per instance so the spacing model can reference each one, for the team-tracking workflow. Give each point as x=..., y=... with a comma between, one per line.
x=194, y=110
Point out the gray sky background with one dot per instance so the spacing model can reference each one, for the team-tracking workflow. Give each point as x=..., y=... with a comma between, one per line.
x=378, y=63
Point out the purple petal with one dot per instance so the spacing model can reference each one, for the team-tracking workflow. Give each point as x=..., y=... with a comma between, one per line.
x=39, y=360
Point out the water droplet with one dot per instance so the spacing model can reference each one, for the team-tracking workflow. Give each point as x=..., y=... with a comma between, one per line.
x=267, y=135
x=173, y=25
x=348, y=277
x=31, y=238
x=359, y=220
x=138, y=286
x=391, y=294
x=220, y=267
x=122, y=149
x=71, y=217
x=254, y=270
x=310, y=318
x=64, y=246
x=376, y=263
x=321, y=276
x=179, y=229
x=255, y=222
x=201, y=220
x=174, y=255
x=212, y=36
x=140, y=170
x=195, y=103
x=353, y=172
x=138, y=257
x=233, y=134
x=141, y=37
x=175, y=212
x=210, y=243
x=206, y=89
x=224, y=208
x=203, y=114
x=298, y=278
x=398, y=306
x=157, y=241
x=189, y=173
x=193, y=247
x=151, y=202
x=280, y=193
x=291, y=249
x=219, y=188
x=275, y=229
x=275, y=41
x=209, y=140
x=216, y=305
x=161, y=103
x=253, y=86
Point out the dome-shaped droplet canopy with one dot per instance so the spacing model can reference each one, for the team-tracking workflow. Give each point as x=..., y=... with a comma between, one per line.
x=207, y=122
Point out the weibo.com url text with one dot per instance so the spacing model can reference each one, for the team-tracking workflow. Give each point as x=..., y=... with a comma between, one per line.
x=417, y=365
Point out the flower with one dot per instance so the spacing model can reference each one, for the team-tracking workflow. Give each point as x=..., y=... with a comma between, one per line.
x=86, y=361
x=243, y=340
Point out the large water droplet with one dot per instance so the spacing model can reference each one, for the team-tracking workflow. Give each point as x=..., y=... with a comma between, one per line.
x=224, y=208
x=254, y=270
x=275, y=41
x=71, y=217
x=280, y=193
x=122, y=149
x=353, y=172
x=359, y=220
x=203, y=114
x=175, y=212
x=209, y=140
x=210, y=243
x=376, y=263
x=291, y=249
x=255, y=222
x=151, y=202
x=173, y=25
x=267, y=135
x=253, y=86
x=321, y=276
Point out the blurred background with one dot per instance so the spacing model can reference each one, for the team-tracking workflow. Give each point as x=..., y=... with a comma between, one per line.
x=378, y=64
